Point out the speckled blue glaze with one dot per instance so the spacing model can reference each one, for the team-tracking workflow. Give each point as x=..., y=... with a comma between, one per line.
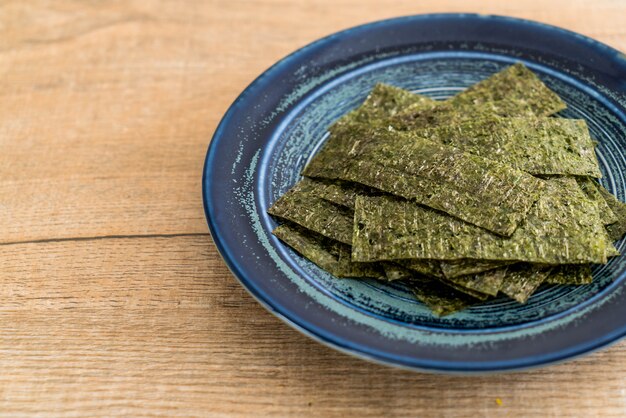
x=280, y=120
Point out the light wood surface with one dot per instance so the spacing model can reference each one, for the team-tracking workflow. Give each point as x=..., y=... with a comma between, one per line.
x=114, y=301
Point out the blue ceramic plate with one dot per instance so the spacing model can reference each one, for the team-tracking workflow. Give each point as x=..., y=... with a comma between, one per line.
x=280, y=120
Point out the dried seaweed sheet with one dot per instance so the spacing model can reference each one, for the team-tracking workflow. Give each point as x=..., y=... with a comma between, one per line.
x=463, y=267
x=547, y=146
x=523, y=279
x=563, y=227
x=618, y=229
x=572, y=274
x=430, y=268
x=479, y=285
x=468, y=291
x=338, y=192
x=479, y=191
x=330, y=255
x=351, y=269
x=439, y=297
x=449, y=269
x=320, y=250
x=299, y=205
x=515, y=91
x=395, y=272
x=590, y=188
x=486, y=283
x=383, y=102
x=344, y=194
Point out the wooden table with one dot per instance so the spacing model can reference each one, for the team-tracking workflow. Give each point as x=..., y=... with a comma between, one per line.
x=113, y=299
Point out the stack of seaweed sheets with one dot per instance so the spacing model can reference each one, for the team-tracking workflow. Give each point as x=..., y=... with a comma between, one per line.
x=484, y=194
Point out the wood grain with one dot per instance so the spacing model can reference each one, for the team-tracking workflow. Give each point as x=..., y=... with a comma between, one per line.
x=143, y=326
x=113, y=300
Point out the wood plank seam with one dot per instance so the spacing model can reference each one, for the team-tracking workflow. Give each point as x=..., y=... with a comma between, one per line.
x=74, y=239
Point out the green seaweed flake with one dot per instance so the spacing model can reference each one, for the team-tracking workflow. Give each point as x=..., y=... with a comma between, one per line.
x=338, y=192
x=316, y=248
x=352, y=269
x=485, y=283
x=617, y=229
x=563, y=227
x=480, y=191
x=439, y=297
x=395, y=272
x=591, y=189
x=464, y=267
x=570, y=274
x=384, y=101
x=546, y=146
x=523, y=279
x=467, y=290
x=430, y=268
x=299, y=205
x=515, y=91
x=328, y=254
